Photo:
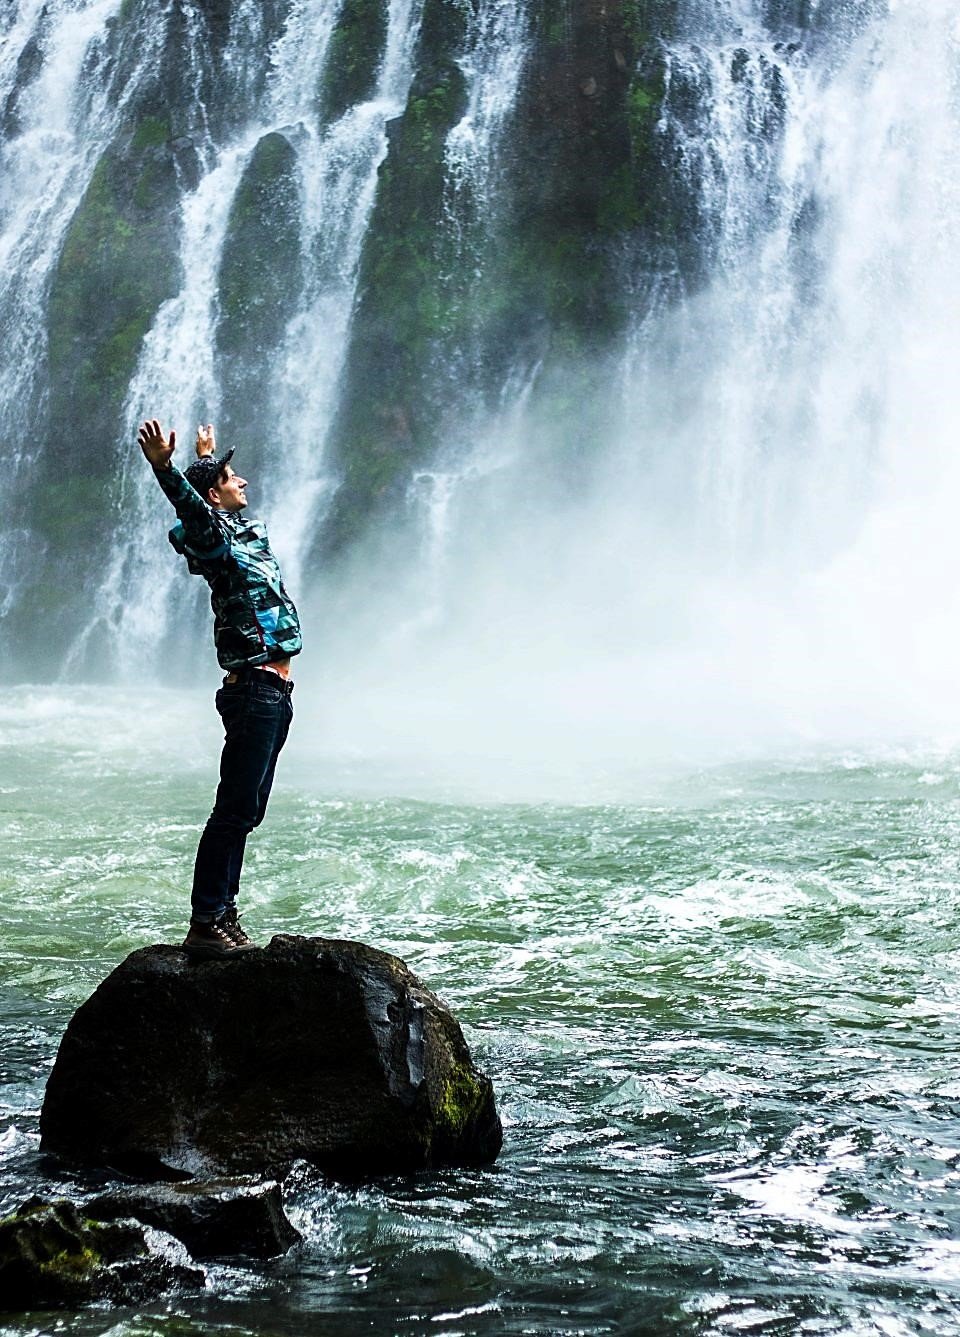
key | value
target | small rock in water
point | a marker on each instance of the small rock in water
(51, 1257)
(213, 1219)
(325, 1051)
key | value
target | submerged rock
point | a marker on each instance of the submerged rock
(52, 1257)
(326, 1051)
(213, 1219)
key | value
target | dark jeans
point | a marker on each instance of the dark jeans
(256, 714)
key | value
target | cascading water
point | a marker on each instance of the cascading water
(775, 496)
(497, 44)
(177, 372)
(823, 189)
(63, 88)
(778, 398)
(339, 182)
(493, 62)
(804, 392)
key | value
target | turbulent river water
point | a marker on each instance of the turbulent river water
(719, 1005)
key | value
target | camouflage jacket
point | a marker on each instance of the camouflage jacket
(254, 618)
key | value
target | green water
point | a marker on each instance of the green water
(721, 1015)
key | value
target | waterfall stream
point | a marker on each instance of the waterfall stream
(177, 374)
(779, 409)
(63, 119)
(826, 192)
(766, 547)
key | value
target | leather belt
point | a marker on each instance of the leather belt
(276, 679)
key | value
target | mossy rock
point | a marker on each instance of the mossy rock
(354, 57)
(585, 122)
(29, 65)
(260, 265)
(118, 263)
(366, 1071)
(52, 1257)
(260, 279)
(408, 289)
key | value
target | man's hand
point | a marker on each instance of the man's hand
(154, 444)
(206, 445)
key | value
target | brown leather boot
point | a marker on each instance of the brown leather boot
(210, 940)
(229, 921)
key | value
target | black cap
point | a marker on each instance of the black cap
(205, 472)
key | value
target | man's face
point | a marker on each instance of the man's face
(230, 492)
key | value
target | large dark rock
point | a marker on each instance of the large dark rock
(310, 1049)
(52, 1257)
(214, 1220)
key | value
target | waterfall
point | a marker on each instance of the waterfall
(177, 373)
(498, 41)
(765, 543)
(802, 393)
(746, 407)
(63, 89)
(824, 187)
(493, 61)
(339, 183)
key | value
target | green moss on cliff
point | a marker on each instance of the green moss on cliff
(354, 56)
(259, 283)
(647, 20)
(407, 289)
(150, 133)
(642, 108)
(260, 268)
(628, 199)
(117, 264)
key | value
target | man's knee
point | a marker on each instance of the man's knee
(232, 822)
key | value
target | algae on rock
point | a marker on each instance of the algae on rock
(398, 322)
(259, 281)
(52, 1257)
(354, 56)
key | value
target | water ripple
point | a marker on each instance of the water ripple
(723, 1033)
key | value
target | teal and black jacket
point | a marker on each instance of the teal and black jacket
(254, 618)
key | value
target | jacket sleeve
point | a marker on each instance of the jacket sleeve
(199, 526)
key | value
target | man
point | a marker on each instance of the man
(256, 631)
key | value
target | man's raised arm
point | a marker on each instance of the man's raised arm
(194, 513)
(155, 445)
